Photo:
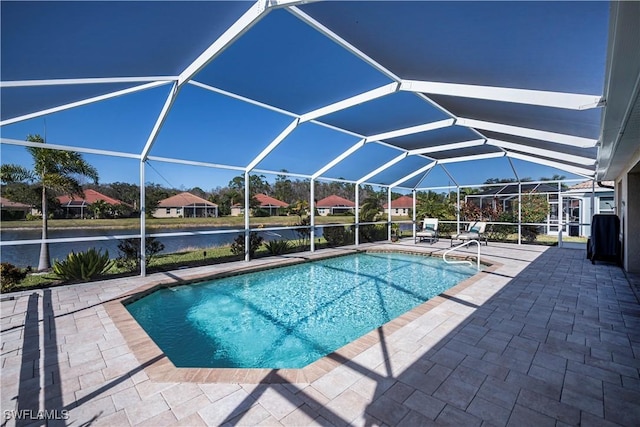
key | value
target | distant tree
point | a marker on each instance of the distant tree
(153, 194)
(283, 188)
(197, 191)
(54, 170)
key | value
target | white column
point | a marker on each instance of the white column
(560, 215)
(414, 215)
(357, 218)
(312, 214)
(458, 210)
(143, 223)
(519, 213)
(247, 238)
(389, 213)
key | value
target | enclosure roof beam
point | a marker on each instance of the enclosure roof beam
(286, 132)
(48, 146)
(448, 174)
(355, 147)
(173, 94)
(82, 102)
(519, 96)
(445, 147)
(558, 138)
(472, 157)
(413, 174)
(256, 12)
(350, 102)
(541, 152)
(383, 167)
(554, 164)
(412, 130)
(85, 81)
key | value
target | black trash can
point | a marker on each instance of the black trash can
(574, 230)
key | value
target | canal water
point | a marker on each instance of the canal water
(27, 255)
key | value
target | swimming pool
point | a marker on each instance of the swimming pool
(291, 316)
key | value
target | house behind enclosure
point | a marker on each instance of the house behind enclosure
(578, 199)
(77, 206)
(505, 198)
(185, 205)
(267, 203)
(13, 210)
(334, 205)
(400, 206)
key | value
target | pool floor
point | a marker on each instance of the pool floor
(289, 317)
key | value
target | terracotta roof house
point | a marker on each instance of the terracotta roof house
(13, 210)
(334, 205)
(185, 205)
(268, 203)
(75, 206)
(400, 206)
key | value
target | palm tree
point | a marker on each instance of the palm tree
(54, 170)
(371, 207)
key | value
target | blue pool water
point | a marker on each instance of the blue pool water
(291, 316)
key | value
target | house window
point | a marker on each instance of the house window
(168, 211)
(178, 211)
(606, 204)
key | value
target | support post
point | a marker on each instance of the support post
(560, 215)
(519, 212)
(458, 210)
(143, 223)
(357, 216)
(593, 204)
(389, 214)
(414, 215)
(247, 237)
(312, 214)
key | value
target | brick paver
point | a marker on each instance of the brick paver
(545, 338)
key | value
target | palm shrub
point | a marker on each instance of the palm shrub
(277, 247)
(129, 252)
(10, 276)
(255, 240)
(83, 266)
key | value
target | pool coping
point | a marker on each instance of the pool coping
(159, 367)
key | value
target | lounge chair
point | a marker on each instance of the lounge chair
(429, 230)
(474, 232)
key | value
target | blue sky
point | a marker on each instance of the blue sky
(283, 62)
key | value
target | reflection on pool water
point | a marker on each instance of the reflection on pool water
(291, 316)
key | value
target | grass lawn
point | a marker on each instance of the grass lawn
(134, 223)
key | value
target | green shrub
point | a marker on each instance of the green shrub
(255, 240)
(31, 217)
(129, 256)
(373, 232)
(83, 266)
(10, 276)
(277, 247)
(335, 236)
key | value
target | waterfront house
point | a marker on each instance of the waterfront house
(334, 205)
(185, 205)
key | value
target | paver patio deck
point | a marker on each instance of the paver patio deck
(545, 338)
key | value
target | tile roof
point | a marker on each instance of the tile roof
(402, 202)
(8, 204)
(586, 185)
(267, 201)
(184, 199)
(90, 196)
(333, 201)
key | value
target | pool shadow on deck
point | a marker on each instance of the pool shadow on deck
(537, 351)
